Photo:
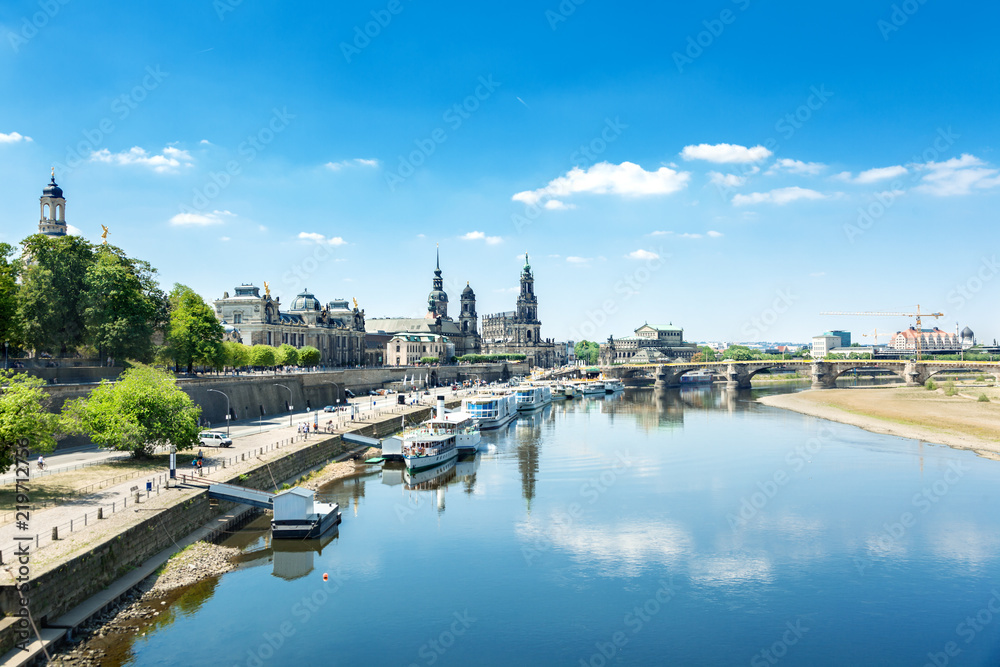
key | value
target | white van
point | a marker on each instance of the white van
(213, 439)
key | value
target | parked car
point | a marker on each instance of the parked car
(349, 393)
(214, 439)
(330, 408)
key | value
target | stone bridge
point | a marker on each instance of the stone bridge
(824, 374)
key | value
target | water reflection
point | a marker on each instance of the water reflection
(290, 559)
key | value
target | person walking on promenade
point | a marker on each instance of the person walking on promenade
(41, 462)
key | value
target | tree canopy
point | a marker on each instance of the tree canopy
(286, 355)
(123, 306)
(143, 410)
(24, 415)
(194, 335)
(308, 356)
(587, 351)
(8, 296)
(263, 356)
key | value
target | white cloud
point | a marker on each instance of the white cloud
(356, 162)
(690, 236)
(642, 254)
(320, 238)
(725, 153)
(726, 180)
(224, 238)
(481, 236)
(168, 160)
(578, 260)
(200, 219)
(714, 234)
(205, 142)
(556, 205)
(957, 176)
(13, 138)
(796, 167)
(872, 175)
(507, 290)
(626, 179)
(73, 231)
(660, 233)
(780, 196)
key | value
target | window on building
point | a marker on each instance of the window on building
(237, 318)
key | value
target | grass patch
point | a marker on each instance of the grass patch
(950, 390)
(930, 386)
(983, 398)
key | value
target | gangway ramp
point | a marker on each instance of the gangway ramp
(239, 494)
(362, 439)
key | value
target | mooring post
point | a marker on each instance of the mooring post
(100, 513)
(55, 533)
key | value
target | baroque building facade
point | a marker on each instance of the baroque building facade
(462, 334)
(650, 344)
(520, 331)
(335, 329)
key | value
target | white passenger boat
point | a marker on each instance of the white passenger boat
(613, 386)
(592, 388)
(532, 397)
(700, 376)
(432, 443)
(491, 409)
(559, 392)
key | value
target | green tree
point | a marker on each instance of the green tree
(194, 335)
(587, 351)
(429, 360)
(143, 410)
(8, 296)
(739, 353)
(123, 306)
(236, 355)
(24, 415)
(263, 356)
(308, 356)
(53, 292)
(286, 355)
(707, 353)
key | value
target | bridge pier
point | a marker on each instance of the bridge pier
(737, 377)
(823, 376)
(666, 379)
(916, 374)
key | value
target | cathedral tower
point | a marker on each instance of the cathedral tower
(53, 209)
(469, 320)
(437, 300)
(527, 305)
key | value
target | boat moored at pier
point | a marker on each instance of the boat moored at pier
(492, 409)
(532, 397)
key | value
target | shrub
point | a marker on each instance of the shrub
(983, 398)
(930, 386)
(949, 389)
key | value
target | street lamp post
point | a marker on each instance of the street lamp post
(228, 413)
(6, 366)
(291, 407)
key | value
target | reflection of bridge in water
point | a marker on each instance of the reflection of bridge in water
(824, 374)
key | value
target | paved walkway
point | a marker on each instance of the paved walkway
(76, 520)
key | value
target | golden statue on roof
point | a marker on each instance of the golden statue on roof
(104, 235)
(267, 289)
(354, 299)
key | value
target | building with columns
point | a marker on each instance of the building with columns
(335, 329)
(52, 206)
(520, 331)
(652, 343)
(463, 333)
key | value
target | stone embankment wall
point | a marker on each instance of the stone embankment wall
(58, 589)
(249, 393)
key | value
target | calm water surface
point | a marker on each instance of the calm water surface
(690, 527)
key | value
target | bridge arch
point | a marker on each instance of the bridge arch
(897, 371)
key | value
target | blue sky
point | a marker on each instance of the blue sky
(731, 167)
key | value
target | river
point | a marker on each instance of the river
(688, 527)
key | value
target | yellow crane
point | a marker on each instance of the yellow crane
(919, 314)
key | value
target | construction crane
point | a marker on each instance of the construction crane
(874, 335)
(917, 315)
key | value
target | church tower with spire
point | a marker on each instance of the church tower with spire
(437, 300)
(53, 210)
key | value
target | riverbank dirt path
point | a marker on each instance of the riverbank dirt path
(908, 412)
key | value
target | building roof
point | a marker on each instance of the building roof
(912, 332)
(395, 325)
(661, 327)
(52, 190)
(305, 300)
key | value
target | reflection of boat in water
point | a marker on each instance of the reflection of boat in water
(430, 478)
(491, 410)
(293, 559)
(467, 466)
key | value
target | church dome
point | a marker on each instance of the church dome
(305, 301)
(967, 333)
(52, 190)
(468, 291)
(438, 296)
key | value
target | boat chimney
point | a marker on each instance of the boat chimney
(440, 410)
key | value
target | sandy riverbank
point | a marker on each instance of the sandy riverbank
(907, 412)
(340, 469)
